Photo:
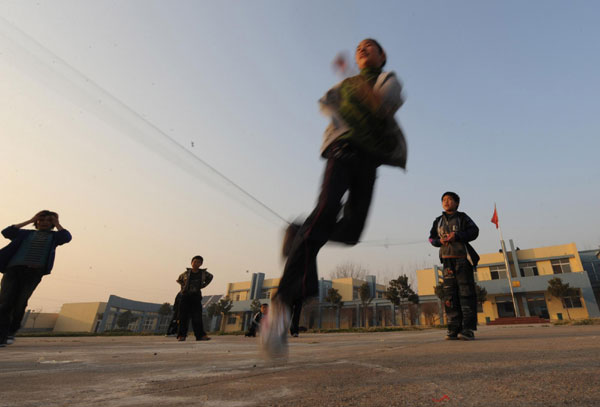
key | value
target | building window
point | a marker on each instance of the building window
(572, 302)
(231, 320)
(528, 269)
(355, 293)
(561, 266)
(148, 324)
(498, 272)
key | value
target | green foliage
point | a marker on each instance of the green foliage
(224, 306)
(165, 309)
(255, 305)
(400, 291)
(481, 294)
(125, 318)
(212, 310)
(560, 290)
(364, 293)
(334, 298)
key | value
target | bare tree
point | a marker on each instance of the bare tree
(349, 269)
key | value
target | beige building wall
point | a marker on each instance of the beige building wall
(238, 291)
(44, 321)
(544, 266)
(79, 317)
(270, 286)
(345, 287)
(426, 282)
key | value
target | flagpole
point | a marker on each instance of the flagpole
(507, 265)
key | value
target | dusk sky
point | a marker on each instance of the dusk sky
(116, 114)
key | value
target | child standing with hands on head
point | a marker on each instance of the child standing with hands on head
(23, 262)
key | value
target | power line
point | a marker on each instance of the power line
(96, 88)
(83, 83)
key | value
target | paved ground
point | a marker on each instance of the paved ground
(515, 366)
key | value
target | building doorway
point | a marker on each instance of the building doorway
(537, 305)
(505, 307)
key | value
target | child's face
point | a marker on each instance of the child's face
(196, 263)
(45, 223)
(449, 204)
(368, 55)
(264, 308)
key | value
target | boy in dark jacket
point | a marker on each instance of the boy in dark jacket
(452, 232)
(255, 324)
(192, 281)
(23, 262)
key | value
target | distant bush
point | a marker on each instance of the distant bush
(587, 321)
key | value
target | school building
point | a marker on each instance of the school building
(97, 317)
(530, 270)
(317, 313)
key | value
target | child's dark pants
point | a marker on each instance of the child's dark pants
(18, 283)
(353, 173)
(460, 300)
(191, 308)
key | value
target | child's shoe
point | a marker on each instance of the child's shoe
(273, 331)
(451, 336)
(466, 335)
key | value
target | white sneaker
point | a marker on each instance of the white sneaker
(10, 340)
(273, 331)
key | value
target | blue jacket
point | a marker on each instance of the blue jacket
(18, 235)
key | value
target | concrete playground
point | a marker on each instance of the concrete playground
(506, 366)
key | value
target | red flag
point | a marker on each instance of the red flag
(495, 217)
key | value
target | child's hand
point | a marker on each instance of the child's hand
(54, 220)
(36, 217)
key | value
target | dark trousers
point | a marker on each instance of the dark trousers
(174, 325)
(190, 307)
(460, 300)
(296, 311)
(355, 175)
(18, 283)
